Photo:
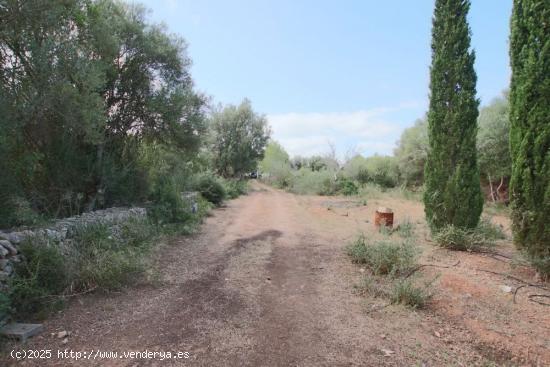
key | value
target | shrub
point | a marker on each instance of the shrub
(210, 188)
(168, 206)
(407, 293)
(384, 256)
(43, 273)
(235, 188)
(347, 187)
(308, 182)
(456, 238)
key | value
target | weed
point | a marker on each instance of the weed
(456, 238)
(210, 188)
(43, 273)
(405, 292)
(384, 256)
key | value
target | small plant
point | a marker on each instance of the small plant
(384, 256)
(456, 238)
(407, 293)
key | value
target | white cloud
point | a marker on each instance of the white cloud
(366, 132)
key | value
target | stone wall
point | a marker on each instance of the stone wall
(59, 231)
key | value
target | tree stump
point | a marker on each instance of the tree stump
(383, 217)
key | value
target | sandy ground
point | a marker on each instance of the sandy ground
(266, 283)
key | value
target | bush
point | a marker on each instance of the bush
(210, 188)
(235, 188)
(308, 182)
(168, 206)
(347, 187)
(407, 293)
(456, 238)
(384, 256)
(42, 274)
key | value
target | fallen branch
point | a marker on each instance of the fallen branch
(532, 296)
(432, 265)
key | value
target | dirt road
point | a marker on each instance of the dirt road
(266, 283)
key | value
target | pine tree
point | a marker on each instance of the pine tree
(452, 188)
(530, 129)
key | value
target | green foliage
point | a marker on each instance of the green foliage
(239, 138)
(168, 206)
(105, 259)
(84, 85)
(100, 257)
(453, 193)
(308, 182)
(493, 139)
(463, 239)
(235, 188)
(384, 256)
(530, 130)
(411, 153)
(42, 274)
(405, 292)
(379, 170)
(210, 188)
(347, 187)
(275, 166)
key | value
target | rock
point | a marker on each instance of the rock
(4, 236)
(8, 246)
(62, 334)
(4, 263)
(65, 341)
(436, 333)
(506, 288)
(362, 270)
(3, 251)
(16, 237)
(387, 352)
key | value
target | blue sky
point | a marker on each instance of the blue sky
(354, 73)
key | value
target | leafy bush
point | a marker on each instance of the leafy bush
(456, 238)
(384, 256)
(347, 187)
(235, 188)
(407, 293)
(210, 188)
(168, 206)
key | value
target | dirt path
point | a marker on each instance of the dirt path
(266, 283)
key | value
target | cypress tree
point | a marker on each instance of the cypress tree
(530, 129)
(452, 188)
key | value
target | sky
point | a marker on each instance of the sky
(349, 73)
